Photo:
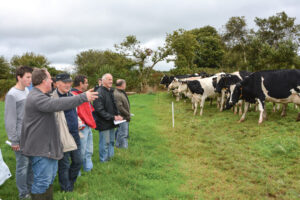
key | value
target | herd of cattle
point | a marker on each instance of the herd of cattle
(234, 89)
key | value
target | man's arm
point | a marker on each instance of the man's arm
(11, 119)
(47, 104)
(122, 110)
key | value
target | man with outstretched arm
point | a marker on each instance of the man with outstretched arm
(40, 137)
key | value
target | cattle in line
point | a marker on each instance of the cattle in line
(223, 83)
(167, 80)
(279, 86)
(202, 89)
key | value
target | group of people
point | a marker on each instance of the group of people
(50, 127)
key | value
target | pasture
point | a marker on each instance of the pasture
(207, 157)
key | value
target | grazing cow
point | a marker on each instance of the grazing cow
(223, 83)
(279, 86)
(202, 89)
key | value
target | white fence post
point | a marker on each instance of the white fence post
(173, 114)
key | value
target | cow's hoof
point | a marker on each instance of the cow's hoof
(283, 115)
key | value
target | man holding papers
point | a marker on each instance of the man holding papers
(106, 113)
(123, 106)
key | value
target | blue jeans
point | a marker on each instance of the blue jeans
(44, 172)
(86, 145)
(106, 144)
(24, 175)
(67, 174)
(122, 135)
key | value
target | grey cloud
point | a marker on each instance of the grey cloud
(61, 29)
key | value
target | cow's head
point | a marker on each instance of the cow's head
(220, 85)
(164, 80)
(235, 95)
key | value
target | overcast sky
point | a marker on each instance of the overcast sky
(60, 29)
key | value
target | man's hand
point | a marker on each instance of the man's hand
(15, 147)
(118, 118)
(91, 95)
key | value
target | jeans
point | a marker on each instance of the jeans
(106, 144)
(44, 172)
(122, 135)
(24, 175)
(67, 174)
(86, 145)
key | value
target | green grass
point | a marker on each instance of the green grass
(208, 157)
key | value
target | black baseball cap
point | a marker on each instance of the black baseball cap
(64, 77)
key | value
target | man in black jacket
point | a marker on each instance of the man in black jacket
(106, 113)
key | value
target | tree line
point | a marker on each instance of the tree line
(272, 44)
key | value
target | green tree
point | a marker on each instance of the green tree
(144, 58)
(236, 38)
(182, 45)
(279, 38)
(31, 59)
(210, 50)
(4, 68)
(95, 63)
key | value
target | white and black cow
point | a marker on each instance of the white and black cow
(223, 83)
(279, 86)
(167, 80)
(202, 89)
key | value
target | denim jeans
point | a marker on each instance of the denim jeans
(44, 172)
(67, 174)
(106, 144)
(86, 145)
(24, 175)
(122, 135)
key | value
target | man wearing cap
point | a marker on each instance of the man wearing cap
(67, 173)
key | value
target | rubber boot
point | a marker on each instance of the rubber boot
(50, 192)
(43, 196)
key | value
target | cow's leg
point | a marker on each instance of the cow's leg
(235, 109)
(222, 100)
(298, 118)
(211, 102)
(246, 107)
(240, 104)
(202, 105)
(278, 106)
(261, 110)
(283, 113)
(274, 107)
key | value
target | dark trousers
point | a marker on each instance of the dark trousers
(67, 174)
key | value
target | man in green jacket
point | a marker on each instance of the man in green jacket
(123, 106)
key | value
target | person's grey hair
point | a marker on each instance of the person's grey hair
(105, 75)
(120, 82)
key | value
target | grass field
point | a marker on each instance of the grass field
(208, 157)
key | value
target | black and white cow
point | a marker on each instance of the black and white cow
(223, 83)
(202, 89)
(279, 86)
(167, 80)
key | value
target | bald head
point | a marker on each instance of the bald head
(121, 84)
